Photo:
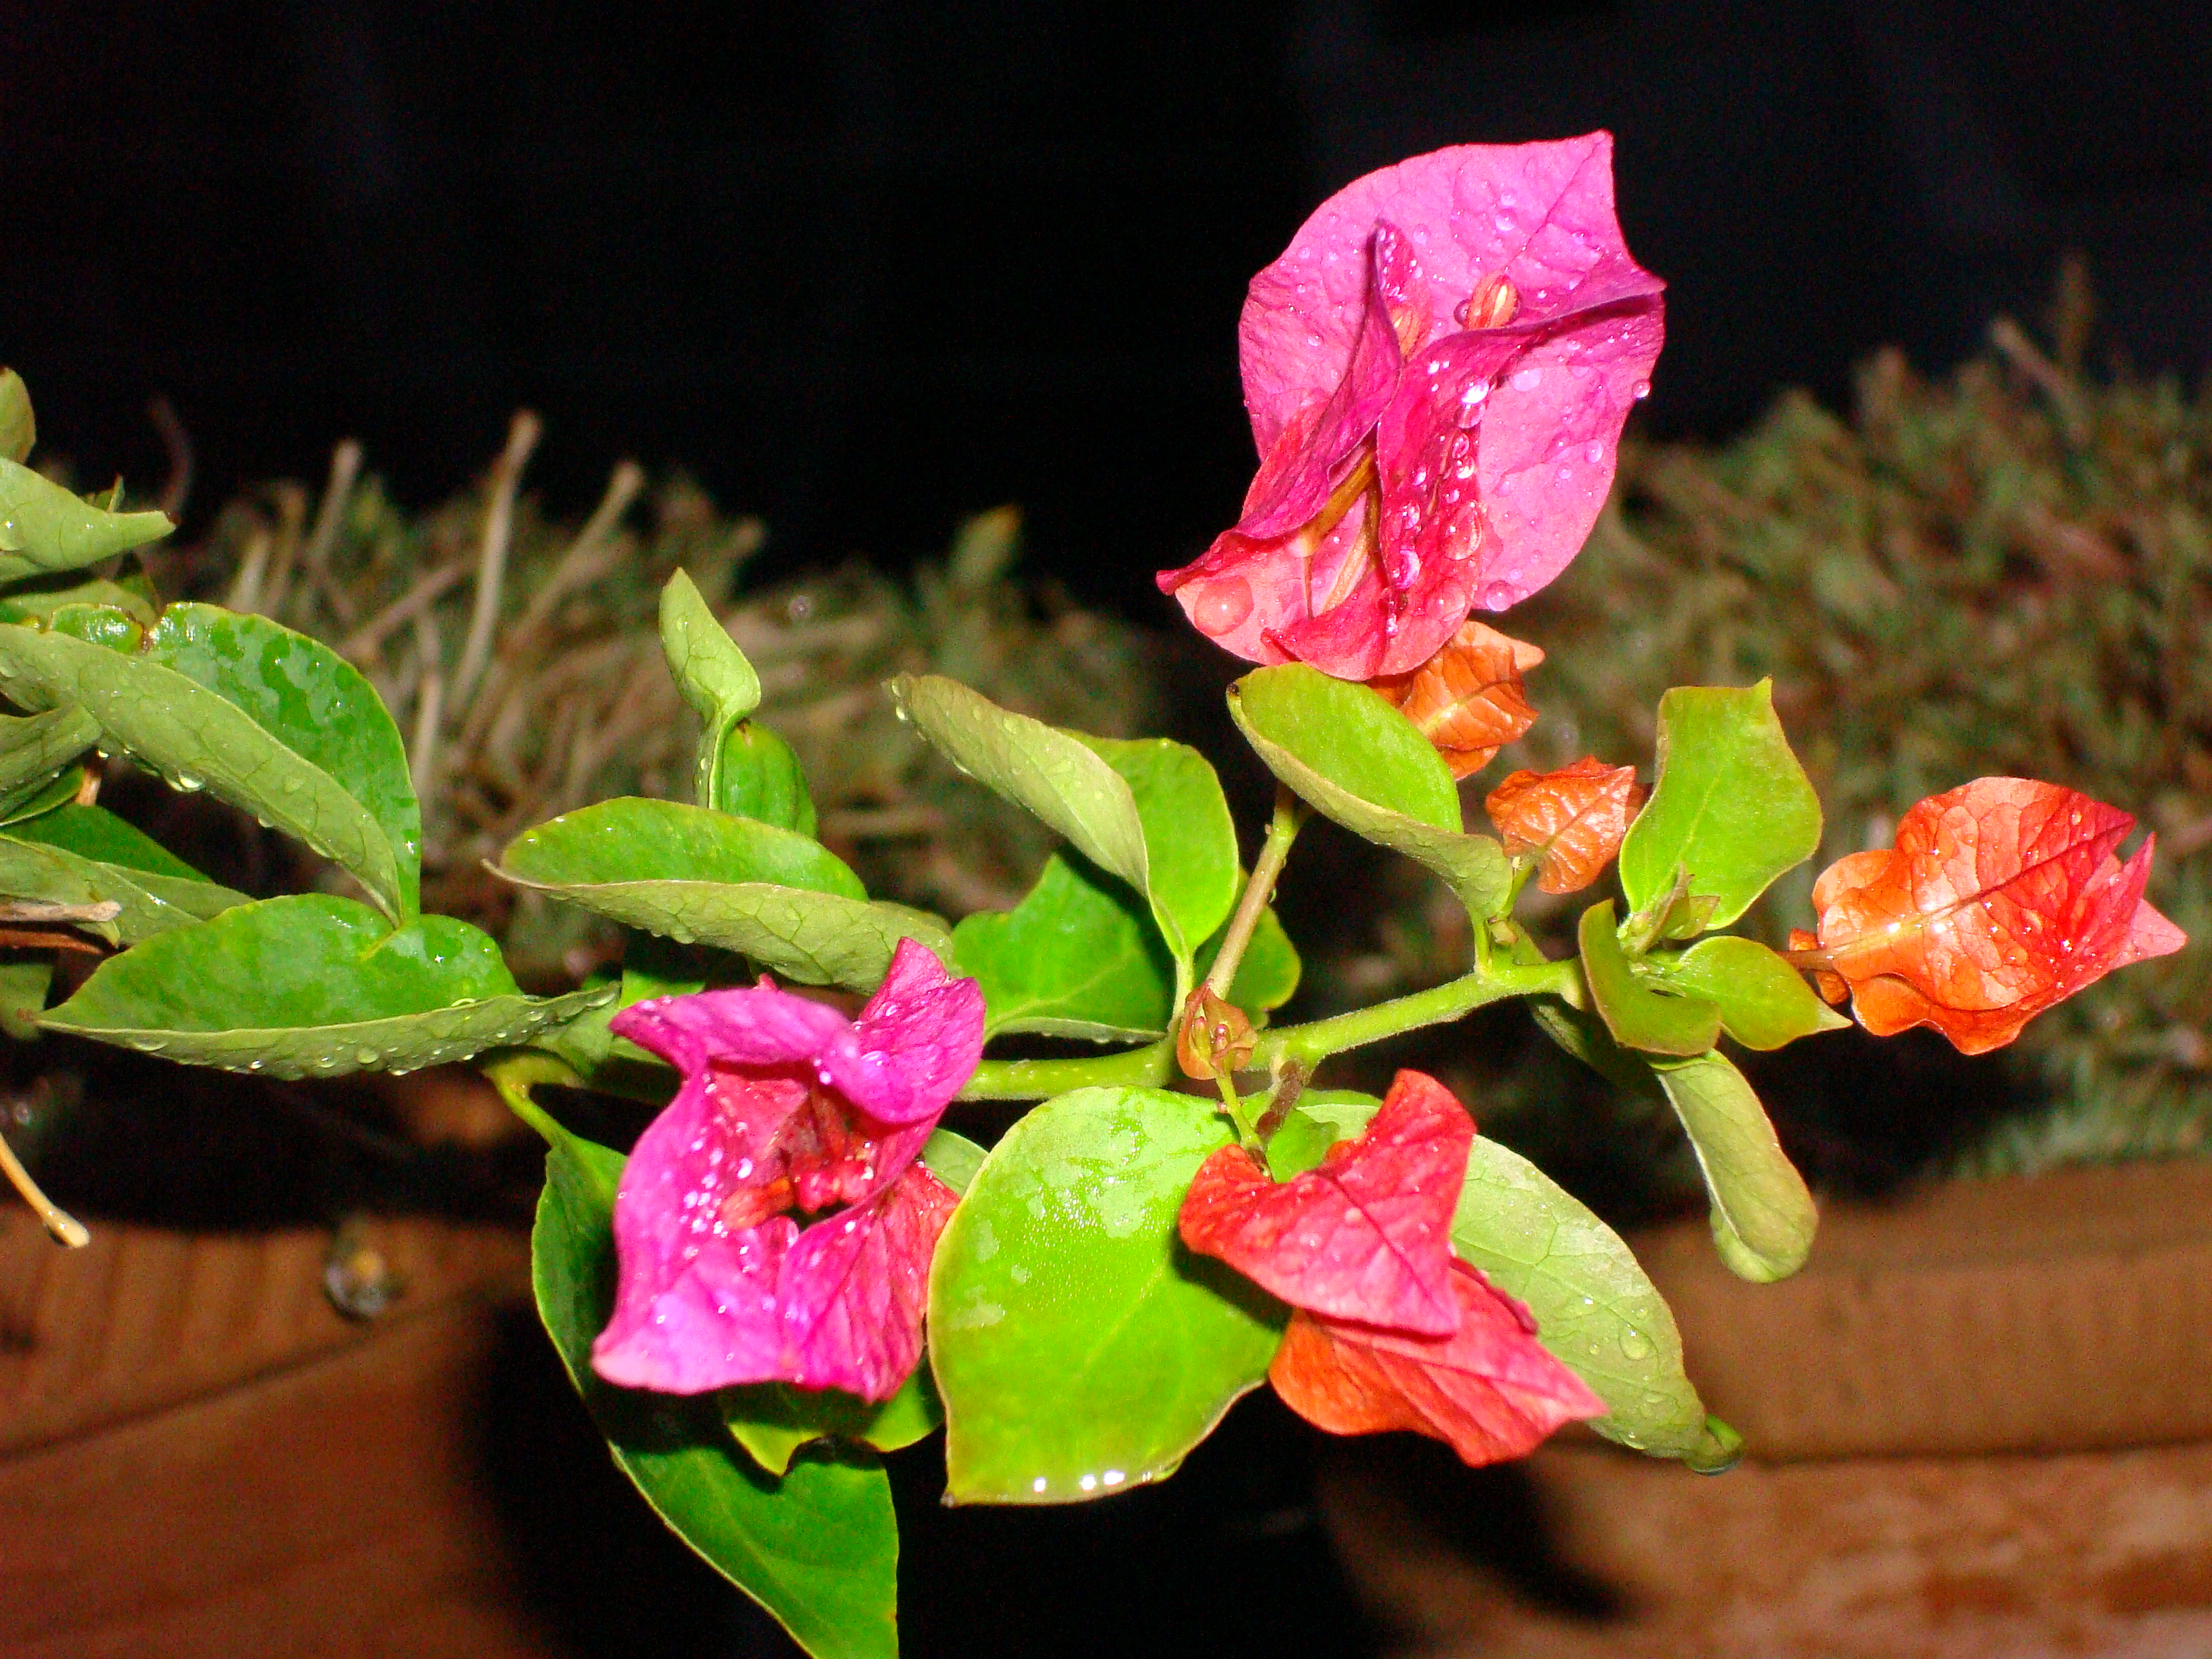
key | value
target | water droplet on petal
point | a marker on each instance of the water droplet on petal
(1222, 606)
(1640, 391)
(1528, 379)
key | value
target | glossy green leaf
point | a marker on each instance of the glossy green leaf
(1053, 775)
(758, 776)
(86, 854)
(651, 967)
(1321, 1119)
(1764, 1001)
(1077, 957)
(1268, 975)
(32, 748)
(268, 720)
(1595, 1308)
(39, 601)
(773, 1420)
(1638, 1016)
(1079, 1348)
(713, 675)
(24, 979)
(45, 527)
(952, 1158)
(1763, 1218)
(310, 986)
(1360, 761)
(41, 796)
(1190, 841)
(817, 1548)
(632, 840)
(19, 432)
(1732, 806)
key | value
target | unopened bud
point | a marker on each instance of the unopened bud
(1214, 1037)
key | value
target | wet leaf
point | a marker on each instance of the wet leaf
(33, 747)
(774, 1421)
(2000, 899)
(23, 984)
(1764, 1003)
(1359, 762)
(1570, 821)
(1079, 1348)
(1467, 700)
(713, 675)
(1077, 957)
(1190, 842)
(45, 527)
(1763, 1218)
(312, 985)
(1732, 806)
(1639, 1016)
(86, 854)
(19, 432)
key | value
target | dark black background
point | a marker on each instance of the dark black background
(867, 266)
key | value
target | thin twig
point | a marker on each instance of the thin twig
(291, 520)
(491, 569)
(429, 708)
(177, 445)
(365, 642)
(345, 467)
(62, 1227)
(245, 593)
(588, 558)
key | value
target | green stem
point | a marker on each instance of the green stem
(1235, 1107)
(1282, 830)
(1148, 1067)
(1309, 1045)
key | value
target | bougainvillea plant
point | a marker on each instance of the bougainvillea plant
(793, 1267)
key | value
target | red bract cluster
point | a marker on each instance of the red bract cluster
(1437, 370)
(2000, 899)
(787, 1109)
(1571, 821)
(1388, 1330)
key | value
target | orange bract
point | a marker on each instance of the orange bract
(2000, 899)
(1488, 1389)
(1572, 819)
(1468, 699)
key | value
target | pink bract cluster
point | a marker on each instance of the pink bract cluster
(1437, 370)
(788, 1109)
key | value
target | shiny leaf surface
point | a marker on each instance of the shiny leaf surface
(45, 527)
(1764, 1002)
(1077, 957)
(1638, 1016)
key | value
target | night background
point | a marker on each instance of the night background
(865, 269)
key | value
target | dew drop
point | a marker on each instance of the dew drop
(1634, 1345)
(1223, 605)
(1528, 379)
(365, 1056)
(1640, 391)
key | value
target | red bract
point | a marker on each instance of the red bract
(1573, 820)
(1367, 1235)
(1489, 1389)
(1468, 699)
(787, 1107)
(1437, 371)
(2000, 899)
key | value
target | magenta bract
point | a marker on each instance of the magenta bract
(787, 1109)
(1437, 370)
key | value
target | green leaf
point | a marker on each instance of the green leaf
(270, 720)
(1640, 1016)
(773, 1420)
(23, 982)
(1321, 1119)
(1732, 806)
(1596, 1309)
(87, 855)
(705, 877)
(817, 1548)
(1268, 975)
(713, 675)
(310, 986)
(18, 430)
(1051, 774)
(1360, 761)
(45, 527)
(1079, 1348)
(1763, 1218)
(33, 747)
(38, 601)
(39, 797)
(1077, 957)
(952, 1158)
(1190, 841)
(759, 776)
(1764, 1001)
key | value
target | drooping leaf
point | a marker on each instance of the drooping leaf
(1190, 842)
(272, 721)
(1638, 1016)
(86, 854)
(1360, 761)
(1489, 1390)
(1051, 774)
(1595, 1308)
(1079, 1348)
(1763, 1218)
(311, 985)
(45, 527)
(19, 432)
(33, 747)
(817, 1548)
(1467, 700)
(1365, 1236)
(1999, 899)
(1732, 806)
(774, 1421)
(1571, 821)
(1764, 1002)
(1077, 957)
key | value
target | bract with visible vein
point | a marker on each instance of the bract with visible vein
(1366, 1236)
(1573, 820)
(1468, 699)
(1999, 899)
(787, 1110)
(1490, 1390)
(1437, 370)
